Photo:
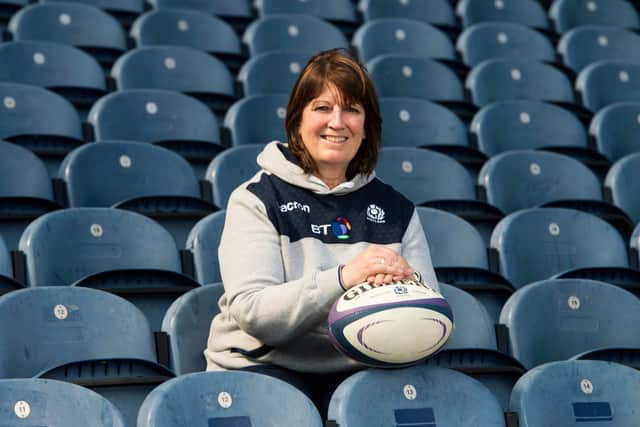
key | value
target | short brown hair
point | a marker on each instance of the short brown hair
(339, 68)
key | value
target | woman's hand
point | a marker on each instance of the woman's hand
(376, 264)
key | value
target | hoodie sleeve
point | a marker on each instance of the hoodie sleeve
(263, 305)
(415, 250)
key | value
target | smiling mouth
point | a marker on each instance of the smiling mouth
(332, 138)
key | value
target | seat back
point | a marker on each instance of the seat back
(269, 110)
(568, 14)
(203, 242)
(339, 11)
(534, 244)
(231, 168)
(187, 322)
(616, 129)
(503, 79)
(256, 75)
(577, 392)
(420, 395)
(435, 12)
(526, 12)
(401, 36)
(608, 82)
(226, 8)
(623, 183)
(224, 397)
(22, 174)
(48, 402)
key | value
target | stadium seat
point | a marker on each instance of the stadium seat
(413, 122)
(7, 282)
(401, 36)
(239, 399)
(491, 40)
(616, 129)
(341, 13)
(231, 168)
(187, 323)
(237, 12)
(554, 320)
(64, 69)
(585, 45)
(577, 392)
(110, 249)
(83, 336)
(292, 32)
(540, 243)
(431, 179)
(435, 12)
(26, 191)
(504, 79)
(80, 25)
(267, 110)
(125, 11)
(459, 256)
(623, 184)
(523, 179)
(568, 14)
(140, 177)
(49, 403)
(608, 82)
(417, 396)
(177, 68)
(39, 120)
(170, 119)
(256, 76)
(526, 12)
(203, 242)
(531, 124)
(473, 349)
(190, 28)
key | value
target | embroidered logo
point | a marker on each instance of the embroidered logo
(375, 214)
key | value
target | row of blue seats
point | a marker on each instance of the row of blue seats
(562, 393)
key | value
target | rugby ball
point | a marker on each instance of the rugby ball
(394, 325)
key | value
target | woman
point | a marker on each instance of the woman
(312, 223)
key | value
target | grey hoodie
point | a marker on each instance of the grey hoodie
(284, 237)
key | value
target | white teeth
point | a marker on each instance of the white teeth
(332, 138)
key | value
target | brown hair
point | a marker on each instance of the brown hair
(339, 68)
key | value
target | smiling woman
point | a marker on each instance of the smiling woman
(312, 223)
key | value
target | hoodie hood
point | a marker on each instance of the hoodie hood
(276, 159)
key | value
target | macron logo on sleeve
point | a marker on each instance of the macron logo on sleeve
(293, 206)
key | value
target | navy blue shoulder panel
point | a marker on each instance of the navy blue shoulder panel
(376, 213)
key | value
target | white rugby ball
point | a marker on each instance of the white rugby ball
(394, 325)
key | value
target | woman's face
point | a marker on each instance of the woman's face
(332, 134)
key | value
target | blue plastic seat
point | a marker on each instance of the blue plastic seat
(110, 249)
(587, 44)
(239, 399)
(416, 122)
(577, 392)
(504, 79)
(26, 191)
(49, 402)
(420, 395)
(401, 36)
(231, 168)
(125, 11)
(473, 349)
(459, 256)
(531, 124)
(616, 129)
(554, 320)
(623, 184)
(292, 32)
(490, 40)
(202, 243)
(431, 179)
(190, 28)
(170, 119)
(237, 12)
(177, 68)
(187, 323)
(80, 25)
(517, 180)
(568, 14)
(84, 336)
(540, 243)
(143, 178)
(268, 110)
(7, 281)
(608, 82)
(341, 13)
(256, 75)
(434, 12)
(526, 12)
(39, 120)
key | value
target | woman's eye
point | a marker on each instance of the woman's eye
(321, 108)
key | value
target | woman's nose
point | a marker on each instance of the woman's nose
(336, 120)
